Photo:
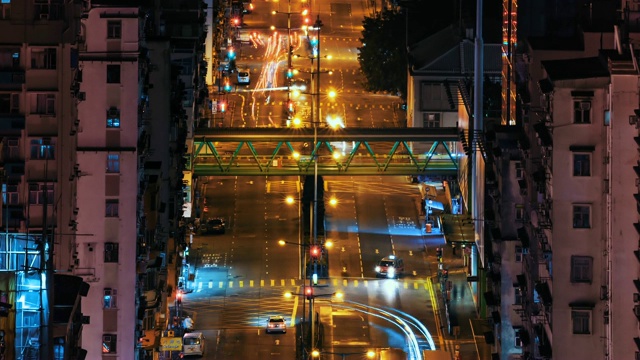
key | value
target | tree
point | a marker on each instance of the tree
(382, 56)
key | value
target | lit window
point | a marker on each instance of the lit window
(581, 216)
(581, 321)
(431, 120)
(42, 149)
(114, 29)
(113, 163)
(113, 118)
(109, 342)
(110, 252)
(110, 299)
(111, 208)
(581, 164)
(113, 74)
(581, 269)
(582, 112)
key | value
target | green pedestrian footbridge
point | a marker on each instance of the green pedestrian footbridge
(344, 151)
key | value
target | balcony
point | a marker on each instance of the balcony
(12, 79)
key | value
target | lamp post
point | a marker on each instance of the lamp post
(289, 43)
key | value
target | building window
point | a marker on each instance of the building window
(581, 216)
(114, 29)
(518, 337)
(37, 193)
(518, 253)
(9, 103)
(581, 112)
(109, 342)
(581, 320)
(113, 118)
(581, 164)
(44, 104)
(9, 58)
(42, 149)
(111, 208)
(113, 163)
(43, 58)
(518, 295)
(519, 212)
(113, 74)
(581, 269)
(11, 150)
(110, 299)
(5, 9)
(49, 9)
(10, 194)
(431, 120)
(111, 252)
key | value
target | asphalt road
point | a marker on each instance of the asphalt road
(263, 51)
(242, 275)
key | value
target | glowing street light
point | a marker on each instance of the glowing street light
(333, 201)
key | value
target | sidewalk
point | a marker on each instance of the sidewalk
(462, 329)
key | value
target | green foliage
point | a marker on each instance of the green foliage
(383, 55)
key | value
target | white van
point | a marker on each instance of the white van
(193, 344)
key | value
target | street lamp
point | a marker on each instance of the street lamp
(316, 354)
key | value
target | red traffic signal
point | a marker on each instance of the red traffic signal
(179, 297)
(315, 251)
(308, 292)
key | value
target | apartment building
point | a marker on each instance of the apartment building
(147, 99)
(562, 260)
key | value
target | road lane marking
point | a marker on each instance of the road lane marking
(406, 285)
(262, 283)
(345, 282)
(415, 286)
(293, 282)
(273, 282)
(355, 283)
(220, 285)
(241, 283)
(282, 282)
(230, 284)
(250, 283)
(366, 283)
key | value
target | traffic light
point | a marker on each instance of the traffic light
(289, 73)
(223, 106)
(290, 106)
(439, 254)
(231, 54)
(227, 86)
(179, 297)
(236, 22)
(308, 292)
(314, 41)
(315, 252)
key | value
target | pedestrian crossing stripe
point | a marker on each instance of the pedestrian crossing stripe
(413, 284)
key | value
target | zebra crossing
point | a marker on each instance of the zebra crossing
(409, 284)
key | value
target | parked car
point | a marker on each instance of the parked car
(214, 226)
(276, 323)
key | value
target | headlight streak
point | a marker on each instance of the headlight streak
(415, 322)
(414, 348)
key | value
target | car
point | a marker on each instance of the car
(299, 84)
(276, 323)
(193, 344)
(244, 77)
(214, 226)
(390, 267)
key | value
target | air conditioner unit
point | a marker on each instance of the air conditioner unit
(44, 16)
(636, 310)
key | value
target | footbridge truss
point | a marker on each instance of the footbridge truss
(348, 151)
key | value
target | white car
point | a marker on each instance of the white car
(276, 323)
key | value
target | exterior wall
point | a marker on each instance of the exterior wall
(95, 142)
(570, 190)
(623, 238)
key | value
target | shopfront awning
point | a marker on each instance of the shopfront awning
(458, 229)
